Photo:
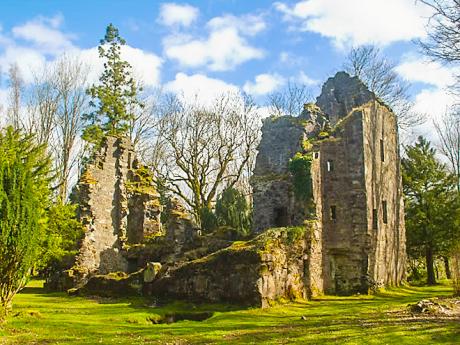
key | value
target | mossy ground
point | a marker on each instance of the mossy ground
(55, 318)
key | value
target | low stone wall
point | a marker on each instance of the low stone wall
(254, 273)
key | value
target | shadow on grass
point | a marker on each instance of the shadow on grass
(35, 290)
(327, 320)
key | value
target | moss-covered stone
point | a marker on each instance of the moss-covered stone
(114, 284)
(250, 272)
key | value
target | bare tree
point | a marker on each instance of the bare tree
(204, 149)
(143, 125)
(290, 100)
(70, 78)
(448, 129)
(56, 103)
(379, 75)
(42, 107)
(443, 41)
(16, 86)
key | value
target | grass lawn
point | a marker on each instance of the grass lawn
(55, 318)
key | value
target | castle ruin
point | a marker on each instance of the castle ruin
(356, 197)
(334, 226)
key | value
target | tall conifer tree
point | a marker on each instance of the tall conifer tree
(115, 94)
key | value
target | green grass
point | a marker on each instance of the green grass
(55, 318)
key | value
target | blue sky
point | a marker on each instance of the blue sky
(210, 46)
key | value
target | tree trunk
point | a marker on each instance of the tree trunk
(446, 265)
(430, 266)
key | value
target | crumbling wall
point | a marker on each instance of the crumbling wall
(255, 273)
(144, 208)
(273, 195)
(351, 249)
(341, 94)
(116, 205)
(103, 209)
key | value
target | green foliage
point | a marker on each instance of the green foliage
(63, 234)
(116, 95)
(208, 220)
(432, 205)
(232, 210)
(24, 196)
(294, 233)
(165, 198)
(300, 166)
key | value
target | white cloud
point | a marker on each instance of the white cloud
(146, 66)
(29, 61)
(199, 87)
(3, 103)
(249, 24)
(264, 111)
(304, 79)
(435, 99)
(429, 72)
(175, 14)
(264, 84)
(434, 103)
(44, 34)
(357, 22)
(223, 49)
(40, 41)
(285, 57)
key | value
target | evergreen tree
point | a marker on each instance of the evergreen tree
(116, 95)
(232, 210)
(431, 204)
(24, 197)
(63, 234)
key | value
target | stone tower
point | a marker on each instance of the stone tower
(356, 203)
(118, 205)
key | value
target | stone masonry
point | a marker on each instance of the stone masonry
(118, 205)
(346, 235)
(357, 195)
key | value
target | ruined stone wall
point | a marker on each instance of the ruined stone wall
(340, 95)
(350, 186)
(114, 208)
(273, 195)
(103, 209)
(253, 273)
(384, 190)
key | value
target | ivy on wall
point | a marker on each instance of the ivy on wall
(299, 166)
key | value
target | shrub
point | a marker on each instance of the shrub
(232, 210)
(24, 196)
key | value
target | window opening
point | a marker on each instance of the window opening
(333, 212)
(281, 217)
(374, 219)
(382, 151)
(385, 214)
